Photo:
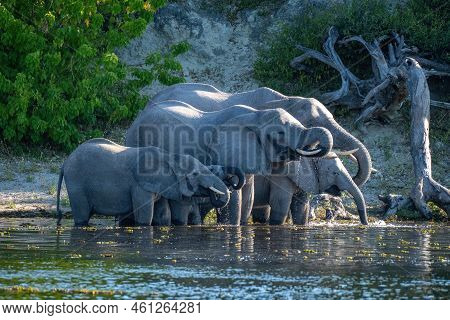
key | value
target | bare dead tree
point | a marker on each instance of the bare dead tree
(425, 187)
(383, 94)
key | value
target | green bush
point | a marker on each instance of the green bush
(424, 23)
(60, 80)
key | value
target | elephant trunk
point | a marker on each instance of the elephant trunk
(358, 197)
(315, 142)
(219, 200)
(238, 173)
(345, 141)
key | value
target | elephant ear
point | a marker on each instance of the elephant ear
(186, 187)
(153, 172)
(186, 170)
(303, 174)
(245, 148)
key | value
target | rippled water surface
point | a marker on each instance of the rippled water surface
(253, 262)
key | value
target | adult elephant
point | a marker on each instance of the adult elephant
(239, 136)
(310, 112)
(274, 194)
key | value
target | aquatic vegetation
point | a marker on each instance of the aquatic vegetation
(107, 242)
(222, 262)
(89, 228)
(165, 229)
(21, 291)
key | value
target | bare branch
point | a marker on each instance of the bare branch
(374, 51)
(440, 104)
(433, 64)
(435, 73)
(333, 60)
(392, 57)
(328, 46)
(394, 203)
(310, 53)
(376, 90)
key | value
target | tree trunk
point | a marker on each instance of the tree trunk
(425, 188)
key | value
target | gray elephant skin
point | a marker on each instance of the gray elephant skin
(310, 112)
(106, 178)
(239, 136)
(274, 194)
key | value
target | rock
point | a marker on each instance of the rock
(222, 51)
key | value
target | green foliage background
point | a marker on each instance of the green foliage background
(425, 24)
(60, 80)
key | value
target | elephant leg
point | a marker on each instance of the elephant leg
(261, 214)
(300, 208)
(161, 213)
(281, 191)
(248, 192)
(279, 209)
(195, 218)
(126, 220)
(231, 214)
(81, 210)
(143, 202)
(180, 212)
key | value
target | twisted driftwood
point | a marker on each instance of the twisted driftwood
(380, 97)
(335, 208)
(383, 94)
(425, 188)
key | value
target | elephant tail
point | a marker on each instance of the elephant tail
(59, 214)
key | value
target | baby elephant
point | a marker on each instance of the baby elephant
(106, 178)
(311, 175)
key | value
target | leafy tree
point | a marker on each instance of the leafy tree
(60, 80)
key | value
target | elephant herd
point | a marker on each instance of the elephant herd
(193, 148)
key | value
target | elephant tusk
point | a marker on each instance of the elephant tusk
(331, 155)
(353, 158)
(314, 145)
(307, 153)
(345, 153)
(216, 191)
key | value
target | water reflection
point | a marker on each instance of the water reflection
(259, 262)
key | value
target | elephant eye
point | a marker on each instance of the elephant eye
(195, 173)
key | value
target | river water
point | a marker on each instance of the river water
(321, 261)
